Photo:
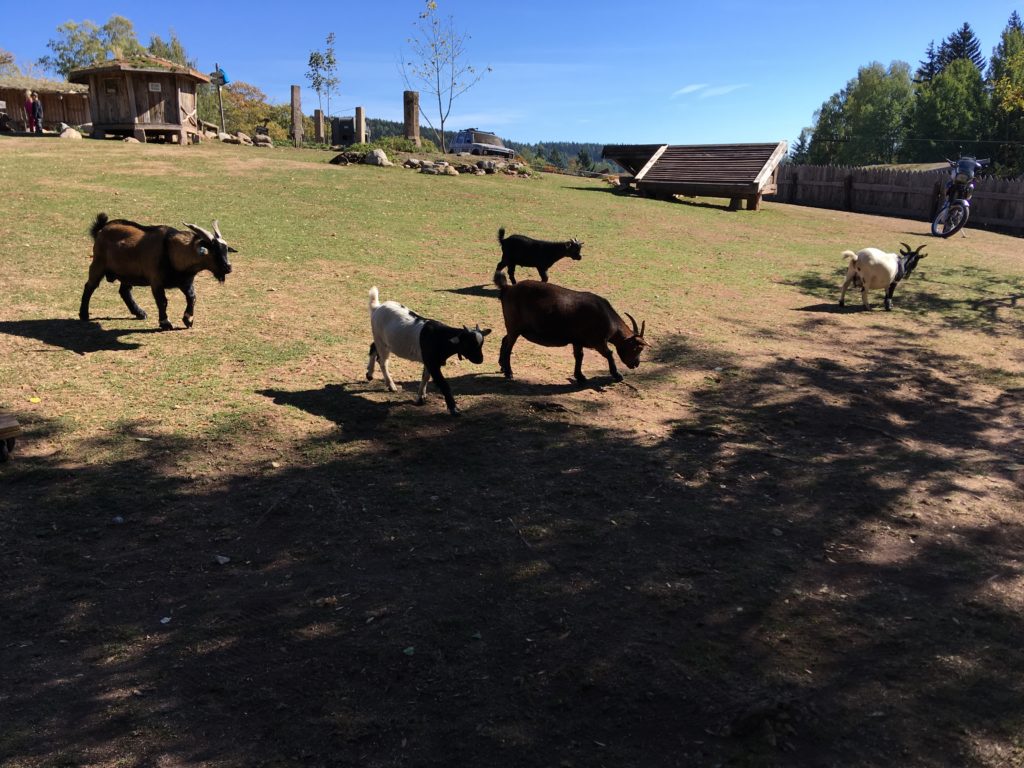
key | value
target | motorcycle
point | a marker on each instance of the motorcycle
(956, 208)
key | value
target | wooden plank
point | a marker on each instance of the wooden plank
(772, 164)
(651, 162)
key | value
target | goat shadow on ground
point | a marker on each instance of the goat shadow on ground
(487, 291)
(486, 383)
(348, 406)
(832, 308)
(74, 335)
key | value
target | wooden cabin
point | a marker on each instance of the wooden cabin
(736, 171)
(145, 97)
(62, 102)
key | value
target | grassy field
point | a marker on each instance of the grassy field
(792, 537)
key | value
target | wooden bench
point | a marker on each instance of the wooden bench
(736, 171)
(9, 430)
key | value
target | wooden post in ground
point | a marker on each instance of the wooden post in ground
(318, 125)
(297, 115)
(360, 126)
(411, 101)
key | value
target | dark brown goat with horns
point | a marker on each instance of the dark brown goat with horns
(158, 256)
(553, 316)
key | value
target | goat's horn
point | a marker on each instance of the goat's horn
(643, 327)
(216, 230)
(636, 330)
(906, 249)
(199, 231)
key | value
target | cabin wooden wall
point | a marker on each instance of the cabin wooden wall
(70, 108)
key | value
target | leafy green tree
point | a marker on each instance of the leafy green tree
(951, 112)
(584, 161)
(331, 79)
(1006, 75)
(879, 104)
(323, 73)
(172, 50)
(436, 65)
(315, 75)
(829, 131)
(79, 45)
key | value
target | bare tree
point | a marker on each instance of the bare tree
(436, 65)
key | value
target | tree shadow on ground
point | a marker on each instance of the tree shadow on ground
(975, 299)
(74, 335)
(790, 578)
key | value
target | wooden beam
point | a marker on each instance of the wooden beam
(651, 162)
(773, 162)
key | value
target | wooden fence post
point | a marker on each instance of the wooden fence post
(297, 115)
(360, 127)
(318, 125)
(411, 103)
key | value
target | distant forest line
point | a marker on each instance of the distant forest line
(565, 155)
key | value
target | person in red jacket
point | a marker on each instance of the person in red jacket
(30, 123)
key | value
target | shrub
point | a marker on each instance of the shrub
(392, 144)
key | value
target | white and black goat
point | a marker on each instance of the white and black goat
(874, 269)
(553, 316)
(523, 251)
(400, 331)
(158, 256)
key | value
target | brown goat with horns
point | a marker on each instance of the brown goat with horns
(553, 316)
(158, 256)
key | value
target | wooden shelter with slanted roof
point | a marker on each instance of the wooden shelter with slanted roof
(145, 97)
(737, 171)
(62, 102)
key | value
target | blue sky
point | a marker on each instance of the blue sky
(607, 72)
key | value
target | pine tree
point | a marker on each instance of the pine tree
(962, 44)
(929, 67)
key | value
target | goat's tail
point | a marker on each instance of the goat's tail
(501, 280)
(374, 298)
(501, 235)
(100, 223)
(849, 255)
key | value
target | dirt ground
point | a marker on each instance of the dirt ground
(805, 551)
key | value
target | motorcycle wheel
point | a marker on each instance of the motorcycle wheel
(950, 220)
(956, 218)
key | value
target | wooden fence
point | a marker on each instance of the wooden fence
(996, 204)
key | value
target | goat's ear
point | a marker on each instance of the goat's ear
(231, 250)
(484, 331)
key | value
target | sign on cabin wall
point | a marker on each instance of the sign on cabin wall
(154, 87)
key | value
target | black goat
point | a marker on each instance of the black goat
(553, 316)
(158, 256)
(523, 251)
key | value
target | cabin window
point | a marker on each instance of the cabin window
(110, 85)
